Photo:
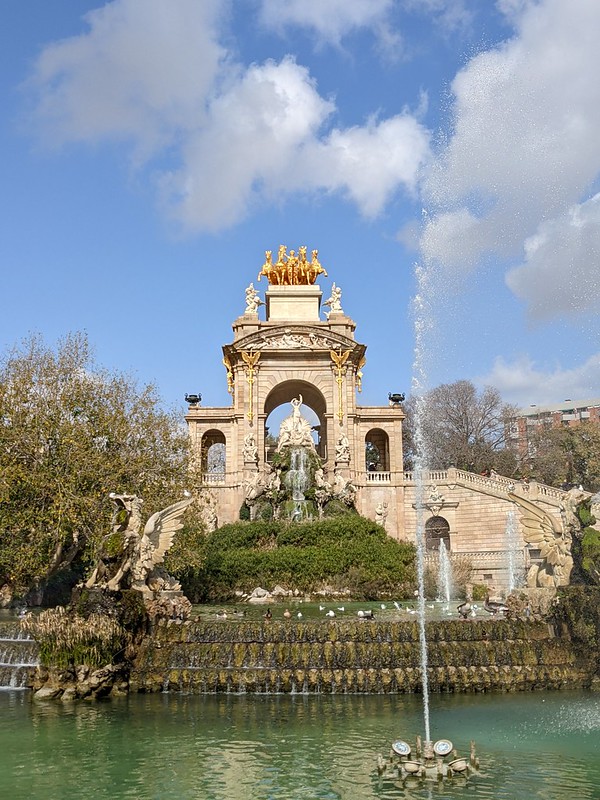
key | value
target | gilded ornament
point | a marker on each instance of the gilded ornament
(291, 269)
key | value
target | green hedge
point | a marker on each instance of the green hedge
(346, 551)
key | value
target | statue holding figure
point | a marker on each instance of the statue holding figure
(250, 448)
(295, 430)
(381, 512)
(342, 449)
(253, 301)
(334, 302)
(142, 551)
(344, 489)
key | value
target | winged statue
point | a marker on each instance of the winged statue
(545, 533)
(141, 551)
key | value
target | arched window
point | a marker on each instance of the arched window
(436, 529)
(213, 453)
(377, 451)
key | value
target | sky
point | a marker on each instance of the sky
(443, 156)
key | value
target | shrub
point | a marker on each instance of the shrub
(346, 550)
(67, 640)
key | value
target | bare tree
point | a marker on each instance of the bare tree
(462, 427)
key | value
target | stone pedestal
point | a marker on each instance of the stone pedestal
(298, 303)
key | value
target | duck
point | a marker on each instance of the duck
(222, 614)
(321, 608)
(341, 608)
(366, 614)
(330, 613)
(464, 609)
(268, 614)
(287, 613)
(299, 615)
(494, 606)
(383, 606)
(398, 606)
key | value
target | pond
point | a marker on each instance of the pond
(173, 747)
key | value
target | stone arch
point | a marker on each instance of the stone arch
(213, 452)
(284, 392)
(437, 529)
(377, 450)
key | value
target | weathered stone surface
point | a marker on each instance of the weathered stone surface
(351, 656)
(48, 693)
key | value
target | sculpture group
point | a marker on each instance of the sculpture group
(292, 269)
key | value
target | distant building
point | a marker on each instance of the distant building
(567, 413)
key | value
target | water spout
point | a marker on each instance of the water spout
(444, 582)
(512, 542)
(423, 323)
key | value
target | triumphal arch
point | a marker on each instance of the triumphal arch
(297, 353)
(294, 346)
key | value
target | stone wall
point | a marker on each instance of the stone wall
(355, 657)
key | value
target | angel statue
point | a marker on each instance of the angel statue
(141, 552)
(545, 533)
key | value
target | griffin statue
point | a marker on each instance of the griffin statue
(131, 556)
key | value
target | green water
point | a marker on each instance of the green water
(163, 747)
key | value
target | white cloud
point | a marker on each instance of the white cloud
(330, 20)
(369, 163)
(561, 272)
(451, 15)
(156, 75)
(247, 147)
(141, 73)
(523, 383)
(524, 147)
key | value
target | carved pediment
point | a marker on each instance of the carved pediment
(296, 338)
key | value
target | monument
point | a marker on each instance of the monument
(304, 353)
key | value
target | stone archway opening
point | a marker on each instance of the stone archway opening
(213, 453)
(377, 451)
(277, 408)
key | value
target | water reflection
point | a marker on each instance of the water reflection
(159, 747)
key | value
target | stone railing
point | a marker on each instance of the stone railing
(378, 477)
(213, 477)
(482, 558)
(495, 483)
(428, 477)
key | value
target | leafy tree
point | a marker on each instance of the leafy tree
(569, 454)
(70, 433)
(461, 427)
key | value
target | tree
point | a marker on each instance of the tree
(70, 433)
(460, 427)
(567, 454)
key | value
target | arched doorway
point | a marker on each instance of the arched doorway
(436, 530)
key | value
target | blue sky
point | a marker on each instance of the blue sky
(152, 150)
